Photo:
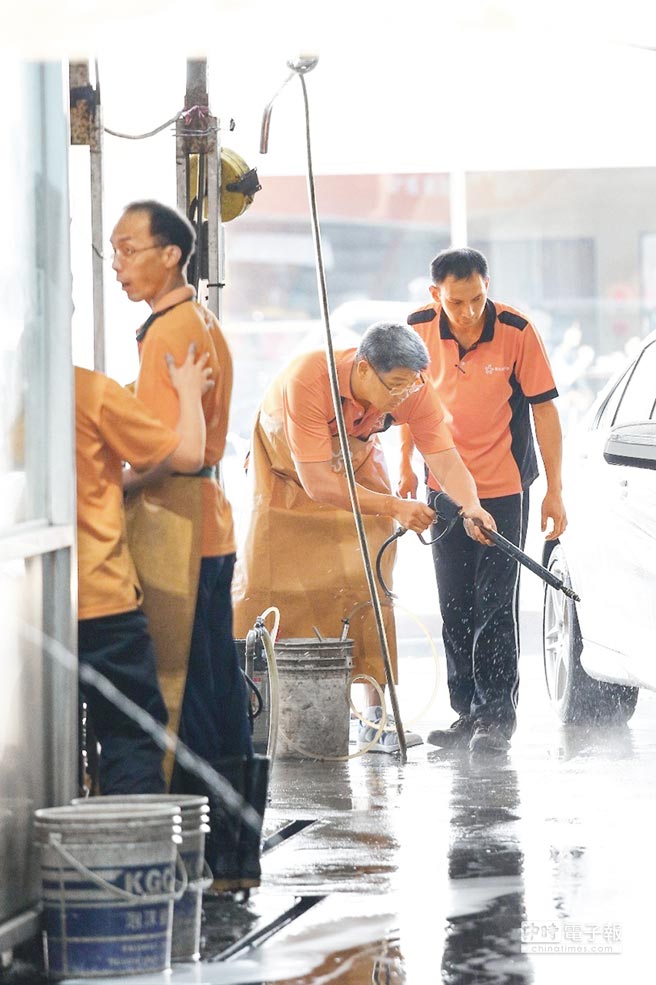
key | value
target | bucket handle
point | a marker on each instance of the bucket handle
(177, 894)
(205, 881)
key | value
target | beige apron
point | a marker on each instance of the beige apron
(164, 526)
(304, 557)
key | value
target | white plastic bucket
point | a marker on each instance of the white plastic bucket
(187, 911)
(314, 709)
(108, 885)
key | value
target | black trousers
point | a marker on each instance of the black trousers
(479, 601)
(120, 648)
(214, 717)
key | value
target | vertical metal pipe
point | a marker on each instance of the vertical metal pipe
(300, 67)
(87, 129)
(200, 195)
(343, 438)
(196, 93)
(214, 227)
(181, 176)
(97, 257)
(208, 147)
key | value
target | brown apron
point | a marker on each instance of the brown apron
(164, 526)
(304, 557)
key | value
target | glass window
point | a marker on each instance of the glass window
(22, 340)
(379, 235)
(639, 397)
(571, 266)
(605, 415)
(38, 702)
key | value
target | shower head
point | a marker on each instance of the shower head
(300, 65)
(303, 63)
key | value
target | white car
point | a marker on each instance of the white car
(598, 652)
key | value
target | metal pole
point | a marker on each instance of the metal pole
(181, 176)
(87, 128)
(201, 249)
(215, 254)
(198, 134)
(300, 67)
(196, 93)
(343, 440)
(97, 234)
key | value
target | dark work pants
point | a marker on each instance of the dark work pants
(214, 718)
(120, 648)
(479, 601)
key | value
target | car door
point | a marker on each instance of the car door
(628, 533)
(590, 496)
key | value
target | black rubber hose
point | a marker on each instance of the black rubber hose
(254, 689)
(390, 540)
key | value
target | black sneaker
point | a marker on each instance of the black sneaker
(456, 736)
(488, 740)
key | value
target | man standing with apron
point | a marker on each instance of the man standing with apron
(302, 553)
(182, 539)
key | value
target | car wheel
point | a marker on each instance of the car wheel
(575, 696)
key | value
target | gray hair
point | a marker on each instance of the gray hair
(388, 345)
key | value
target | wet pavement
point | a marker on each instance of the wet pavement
(538, 868)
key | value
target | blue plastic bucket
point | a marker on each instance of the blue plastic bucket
(108, 885)
(187, 911)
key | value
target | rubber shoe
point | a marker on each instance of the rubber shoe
(488, 740)
(456, 736)
(388, 741)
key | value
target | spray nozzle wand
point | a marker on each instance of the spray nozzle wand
(449, 511)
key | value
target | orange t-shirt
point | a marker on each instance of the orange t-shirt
(486, 391)
(301, 395)
(111, 427)
(178, 320)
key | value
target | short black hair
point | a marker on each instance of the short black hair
(168, 226)
(460, 263)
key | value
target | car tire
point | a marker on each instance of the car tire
(575, 697)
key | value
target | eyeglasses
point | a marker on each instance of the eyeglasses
(404, 390)
(128, 253)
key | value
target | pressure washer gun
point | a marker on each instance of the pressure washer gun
(448, 513)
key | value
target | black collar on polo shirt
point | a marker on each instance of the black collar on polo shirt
(142, 332)
(488, 325)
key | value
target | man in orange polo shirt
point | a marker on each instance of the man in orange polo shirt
(489, 367)
(112, 426)
(302, 552)
(186, 522)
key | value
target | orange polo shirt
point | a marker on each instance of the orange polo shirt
(301, 395)
(111, 427)
(176, 321)
(486, 391)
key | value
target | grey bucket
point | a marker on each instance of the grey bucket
(187, 911)
(314, 709)
(108, 885)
